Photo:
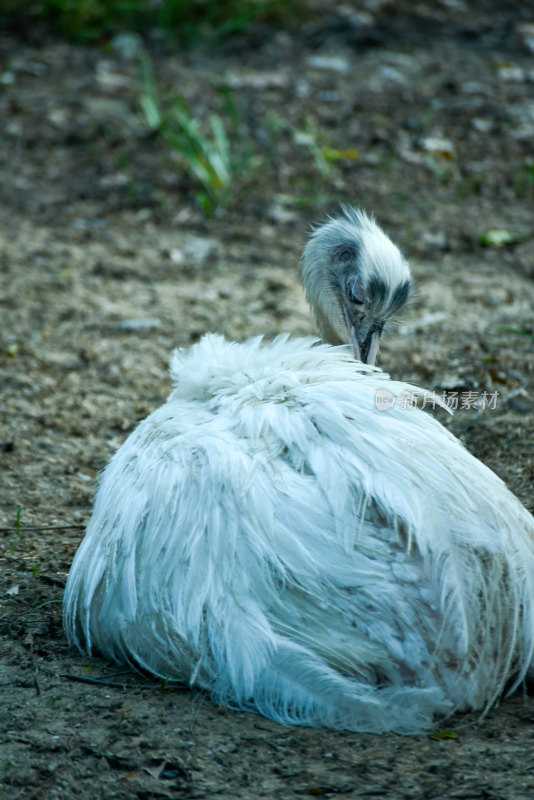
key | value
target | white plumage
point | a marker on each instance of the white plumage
(270, 536)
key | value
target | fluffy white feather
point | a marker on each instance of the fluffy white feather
(271, 537)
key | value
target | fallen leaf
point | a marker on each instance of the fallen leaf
(444, 735)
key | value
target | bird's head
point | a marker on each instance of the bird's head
(355, 280)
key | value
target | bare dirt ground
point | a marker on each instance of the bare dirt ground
(107, 265)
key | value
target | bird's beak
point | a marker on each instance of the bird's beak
(367, 350)
(365, 338)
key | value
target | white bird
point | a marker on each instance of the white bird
(271, 536)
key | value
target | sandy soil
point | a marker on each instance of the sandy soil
(107, 264)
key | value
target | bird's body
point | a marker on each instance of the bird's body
(271, 536)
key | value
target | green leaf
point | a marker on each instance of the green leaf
(518, 331)
(149, 98)
(498, 238)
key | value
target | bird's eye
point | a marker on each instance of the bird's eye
(346, 253)
(354, 293)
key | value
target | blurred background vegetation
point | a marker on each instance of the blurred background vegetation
(185, 20)
(201, 146)
(303, 124)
